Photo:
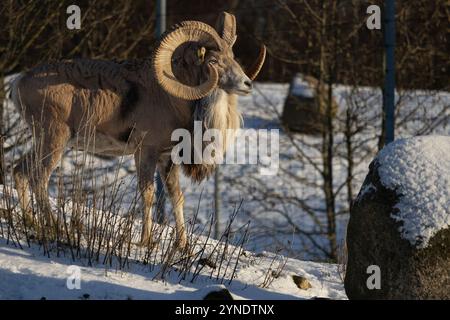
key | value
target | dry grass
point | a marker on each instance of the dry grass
(342, 260)
(98, 222)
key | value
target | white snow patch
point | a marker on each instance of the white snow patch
(301, 88)
(419, 170)
(28, 274)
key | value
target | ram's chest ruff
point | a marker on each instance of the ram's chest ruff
(216, 111)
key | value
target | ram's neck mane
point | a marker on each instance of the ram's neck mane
(219, 111)
(216, 111)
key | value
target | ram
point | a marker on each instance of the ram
(132, 107)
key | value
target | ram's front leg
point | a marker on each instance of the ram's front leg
(170, 176)
(145, 165)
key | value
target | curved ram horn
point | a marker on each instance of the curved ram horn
(187, 31)
(253, 71)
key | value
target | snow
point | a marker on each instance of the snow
(301, 88)
(28, 274)
(418, 169)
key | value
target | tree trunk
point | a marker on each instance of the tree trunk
(349, 155)
(217, 203)
(328, 175)
(326, 103)
(2, 126)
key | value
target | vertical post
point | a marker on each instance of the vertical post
(389, 75)
(2, 158)
(216, 202)
(160, 17)
(160, 194)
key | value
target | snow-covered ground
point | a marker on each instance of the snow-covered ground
(28, 274)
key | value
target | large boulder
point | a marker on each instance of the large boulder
(302, 111)
(400, 222)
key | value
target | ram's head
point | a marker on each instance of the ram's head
(206, 57)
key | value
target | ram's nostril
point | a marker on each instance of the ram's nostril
(248, 83)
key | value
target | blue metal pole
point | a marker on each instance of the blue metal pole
(160, 17)
(389, 76)
(160, 194)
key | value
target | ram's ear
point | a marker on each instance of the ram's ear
(201, 54)
(194, 54)
(226, 27)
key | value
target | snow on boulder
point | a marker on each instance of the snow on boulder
(302, 87)
(418, 169)
(398, 236)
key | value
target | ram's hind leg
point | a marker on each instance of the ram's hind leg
(22, 184)
(35, 170)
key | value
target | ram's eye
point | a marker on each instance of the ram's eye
(213, 61)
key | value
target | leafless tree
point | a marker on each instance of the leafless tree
(330, 40)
